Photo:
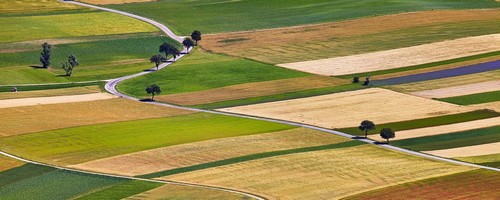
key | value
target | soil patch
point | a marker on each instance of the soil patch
(54, 100)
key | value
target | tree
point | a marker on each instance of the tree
(153, 89)
(175, 52)
(45, 55)
(365, 126)
(156, 59)
(188, 43)
(196, 36)
(69, 65)
(166, 48)
(387, 134)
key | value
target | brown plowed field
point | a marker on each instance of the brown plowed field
(249, 90)
(473, 185)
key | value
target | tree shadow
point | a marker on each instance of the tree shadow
(379, 143)
(149, 70)
(37, 67)
(146, 100)
(358, 137)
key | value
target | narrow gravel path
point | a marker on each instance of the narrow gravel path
(111, 87)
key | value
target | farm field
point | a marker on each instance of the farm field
(347, 109)
(20, 7)
(49, 93)
(316, 174)
(356, 36)
(443, 129)
(479, 98)
(86, 143)
(24, 88)
(475, 150)
(462, 90)
(492, 160)
(122, 190)
(182, 192)
(184, 17)
(14, 120)
(476, 185)
(54, 100)
(390, 59)
(201, 71)
(451, 140)
(104, 2)
(184, 155)
(249, 90)
(8, 163)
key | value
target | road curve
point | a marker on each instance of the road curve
(111, 87)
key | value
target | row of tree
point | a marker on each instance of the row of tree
(169, 49)
(385, 133)
(45, 57)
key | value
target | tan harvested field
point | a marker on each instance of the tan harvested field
(8, 163)
(48, 117)
(54, 100)
(447, 82)
(436, 130)
(172, 192)
(460, 90)
(402, 57)
(476, 150)
(352, 37)
(166, 158)
(348, 109)
(50, 93)
(327, 174)
(492, 106)
(105, 2)
(248, 90)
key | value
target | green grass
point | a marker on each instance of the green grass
(422, 66)
(201, 71)
(280, 97)
(57, 184)
(249, 158)
(81, 144)
(492, 160)
(186, 16)
(474, 98)
(50, 86)
(426, 122)
(26, 171)
(122, 190)
(451, 140)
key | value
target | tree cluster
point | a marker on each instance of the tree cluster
(386, 133)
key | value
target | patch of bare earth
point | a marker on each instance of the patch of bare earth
(166, 158)
(14, 120)
(348, 109)
(54, 100)
(436, 130)
(460, 90)
(402, 57)
(476, 150)
(249, 90)
(350, 37)
(105, 2)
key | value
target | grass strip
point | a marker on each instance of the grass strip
(451, 140)
(249, 158)
(473, 98)
(491, 164)
(421, 66)
(50, 86)
(23, 172)
(427, 122)
(280, 97)
(122, 190)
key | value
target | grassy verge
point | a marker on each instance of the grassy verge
(280, 97)
(473, 98)
(122, 190)
(81, 144)
(452, 140)
(427, 122)
(249, 158)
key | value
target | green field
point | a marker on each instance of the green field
(451, 140)
(492, 160)
(81, 144)
(225, 16)
(201, 71)
(426, 122)
(122, 190)
(474, 98)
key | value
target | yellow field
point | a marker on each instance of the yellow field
(50, 93)
(328, 174)
(447, 82)
(454, 91)
(30, 6)
(104, 2)
(390, 59)
(249, 90)
(20, 120)
(183, 192)
(492, 106)
(481, 159)
(207, 151)
(348, 37)
(8, 163)
(475, 150)
(8, 103)
(436, 130)
(348, 109)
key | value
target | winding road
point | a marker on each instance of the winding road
(111, 88)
